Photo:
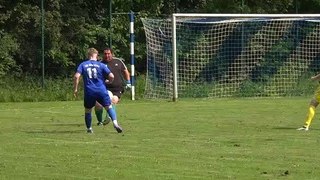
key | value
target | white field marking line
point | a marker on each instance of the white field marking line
(166, 102)
(15, 110)
(53, 141)
(64, 141)
(54, 112)
(8, 109)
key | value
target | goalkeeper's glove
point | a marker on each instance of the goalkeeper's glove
(128, 85)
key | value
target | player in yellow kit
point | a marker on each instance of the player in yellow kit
(313, 105)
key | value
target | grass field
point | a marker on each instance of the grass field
(189, 139)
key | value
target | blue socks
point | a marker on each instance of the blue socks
(112, 113)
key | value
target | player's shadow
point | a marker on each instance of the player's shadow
(283, 128)
(290, 128)
(60, 128)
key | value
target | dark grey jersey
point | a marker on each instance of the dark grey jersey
(117, 67)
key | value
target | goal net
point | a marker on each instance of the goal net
(236, 55)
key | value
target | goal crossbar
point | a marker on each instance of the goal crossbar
(247, 15)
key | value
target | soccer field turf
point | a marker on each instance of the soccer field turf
(189, 139)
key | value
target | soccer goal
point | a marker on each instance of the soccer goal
(231, 55)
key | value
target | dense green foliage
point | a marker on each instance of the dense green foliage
(70, 27)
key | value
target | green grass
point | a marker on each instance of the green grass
(190, 139)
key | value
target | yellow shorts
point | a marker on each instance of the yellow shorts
(317, 94)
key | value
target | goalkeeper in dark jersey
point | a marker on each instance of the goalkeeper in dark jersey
(117, 87)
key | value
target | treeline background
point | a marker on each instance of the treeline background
(70, 27)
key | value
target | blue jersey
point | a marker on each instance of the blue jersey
(94, 74)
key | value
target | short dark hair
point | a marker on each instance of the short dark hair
(108, 49)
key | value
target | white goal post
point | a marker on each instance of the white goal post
(231, 55)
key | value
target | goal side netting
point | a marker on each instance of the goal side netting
(221, 56)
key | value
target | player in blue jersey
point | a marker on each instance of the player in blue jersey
(94, 74)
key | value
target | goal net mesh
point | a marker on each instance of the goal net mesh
(232, 57)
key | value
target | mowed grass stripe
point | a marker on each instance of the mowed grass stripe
(190, 139)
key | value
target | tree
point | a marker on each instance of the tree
(73, 26)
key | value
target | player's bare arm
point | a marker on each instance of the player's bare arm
(316, 77)
(126, 74)
(110, 78)
(76, 80)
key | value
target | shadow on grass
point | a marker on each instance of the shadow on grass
(291, 128)
(288, 128)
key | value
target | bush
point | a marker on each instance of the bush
(29, 89)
